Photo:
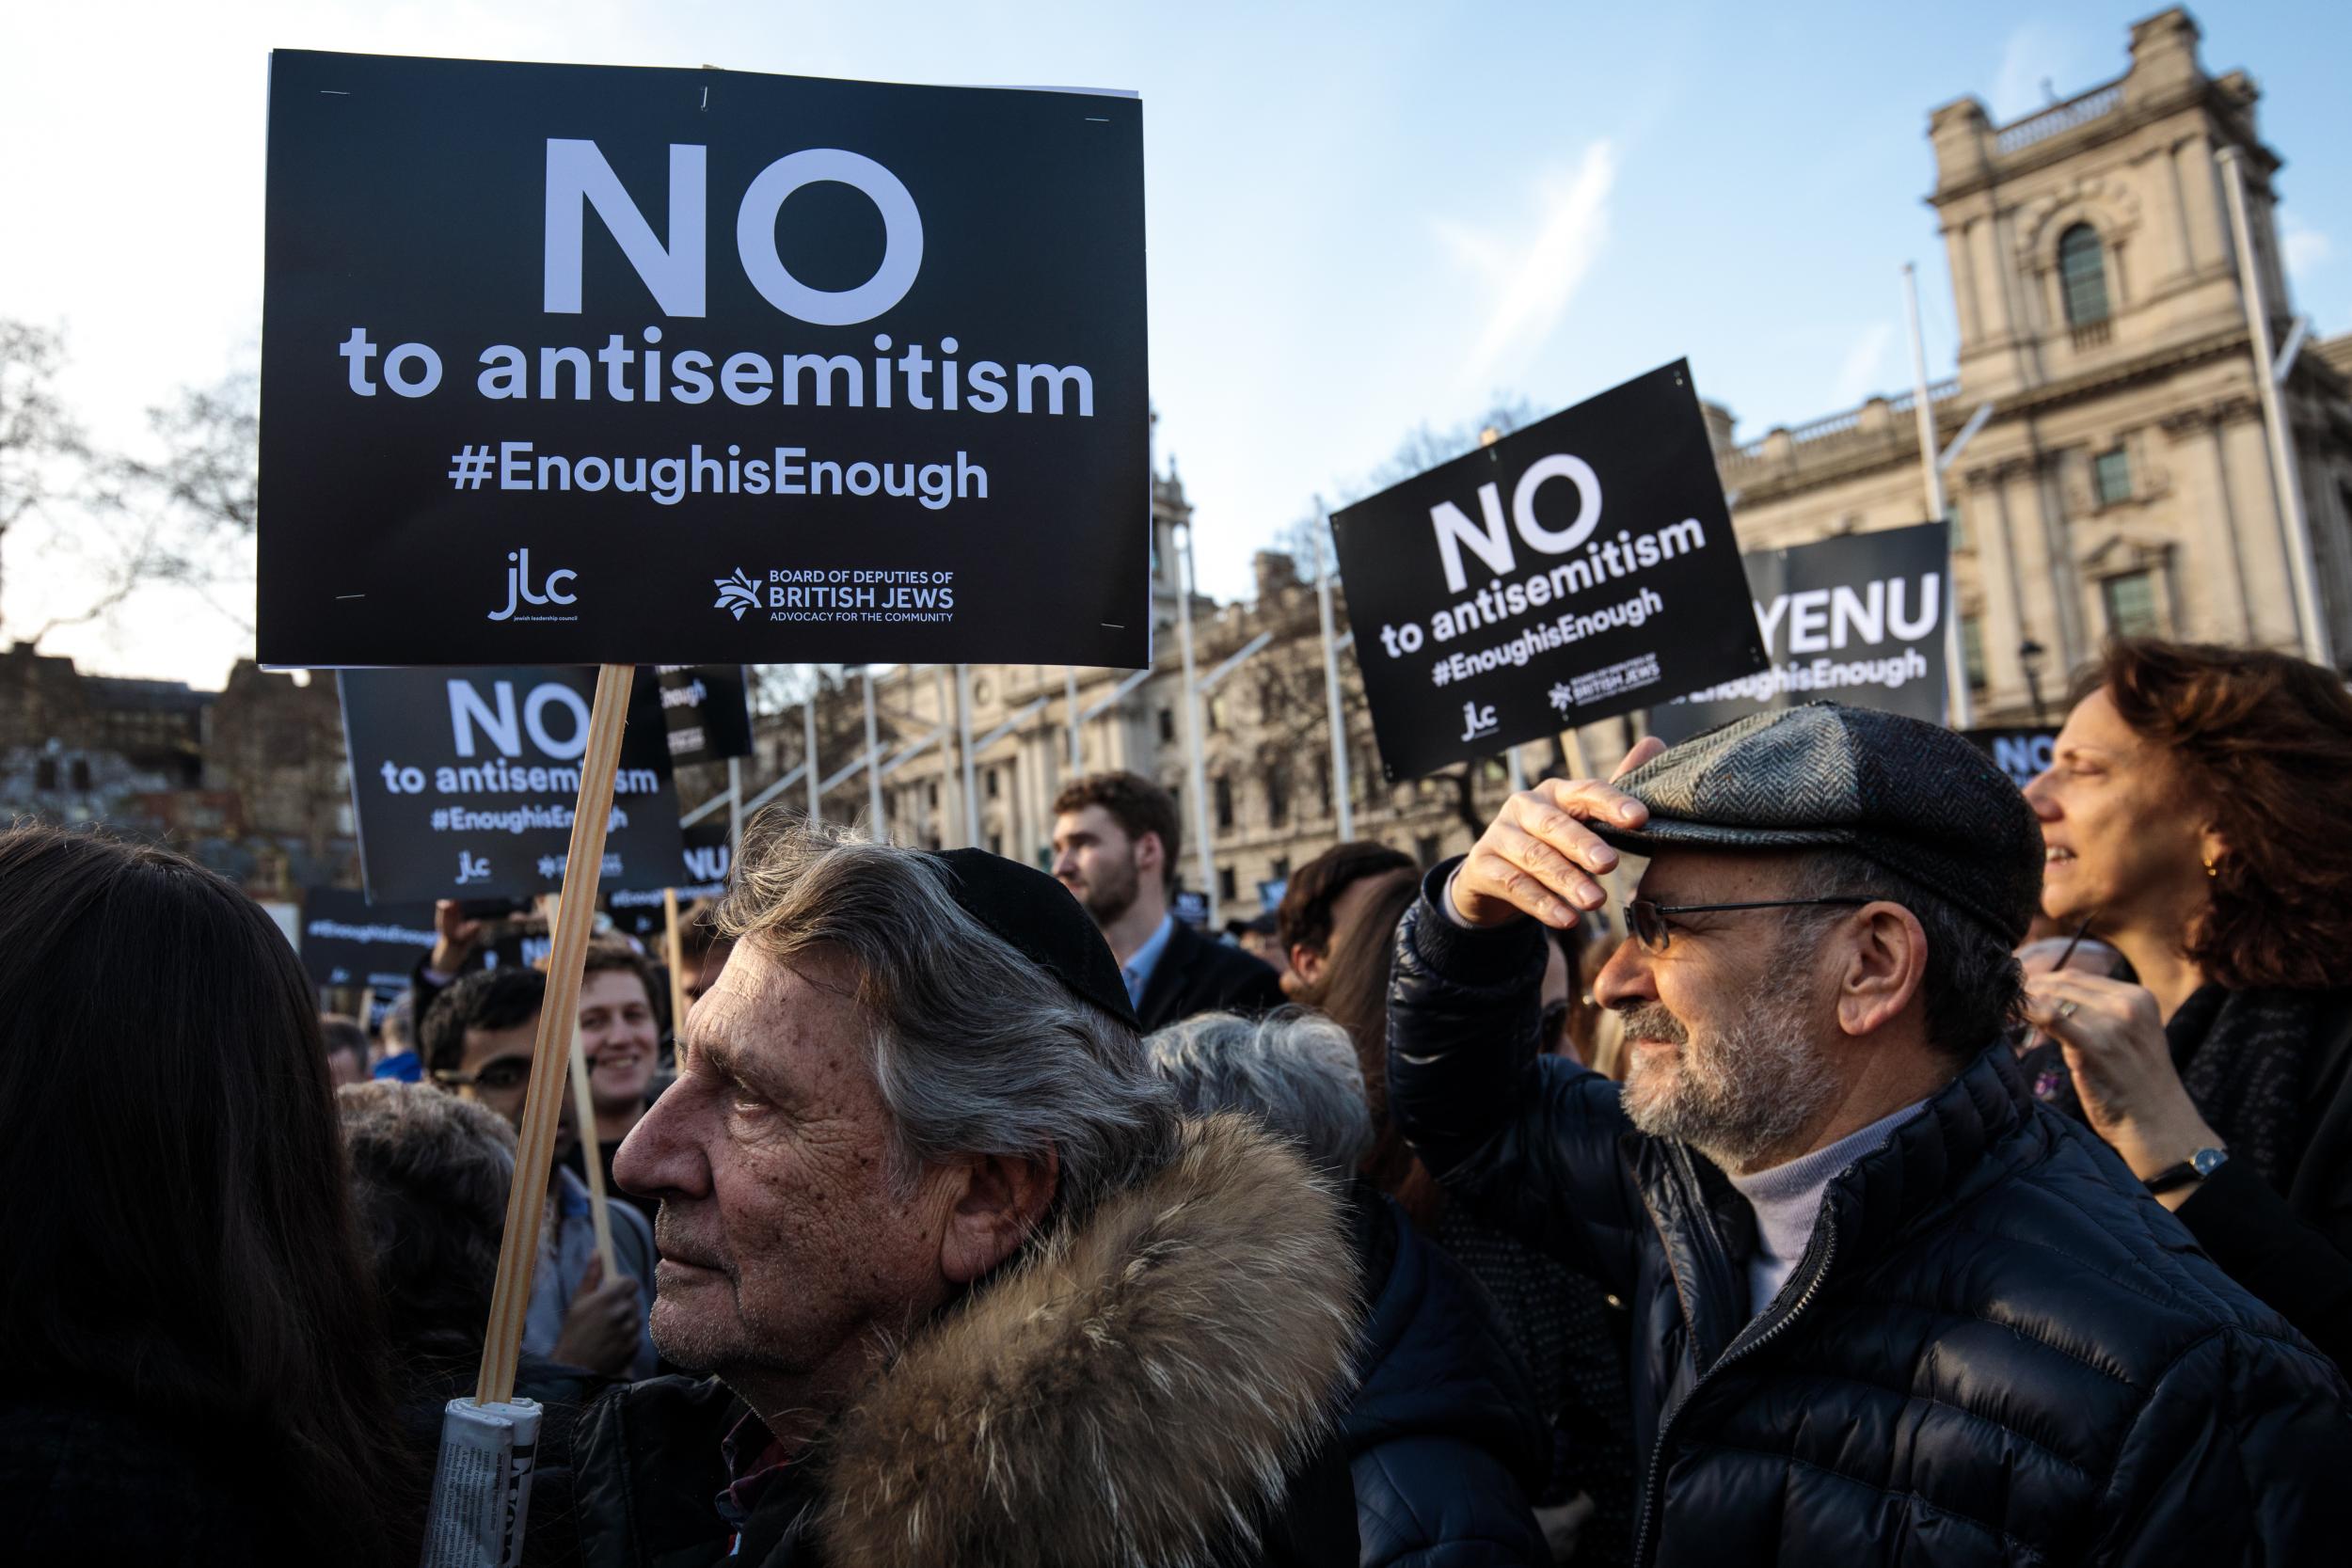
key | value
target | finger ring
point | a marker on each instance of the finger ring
(2066, 1008)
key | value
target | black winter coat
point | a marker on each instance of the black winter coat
(1197, 976)
(1996, 1350)
(1444, 1437)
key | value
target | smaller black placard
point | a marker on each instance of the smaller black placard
(637, 911)
(347, 940)
(1577, 569)
(1857, 619)
(2021, 750)
(465, 781)
(706, 711)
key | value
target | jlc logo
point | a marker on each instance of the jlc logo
(1477, 720)
(579, 178)
(519, 589)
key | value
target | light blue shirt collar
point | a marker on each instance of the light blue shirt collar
(1137, 971)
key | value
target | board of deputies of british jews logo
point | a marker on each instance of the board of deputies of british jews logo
(839, 593)
(553, 588)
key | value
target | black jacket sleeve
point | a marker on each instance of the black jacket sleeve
(2295, 1250)
(2237, 1457)
(2260, 1241)
(1529, 1140)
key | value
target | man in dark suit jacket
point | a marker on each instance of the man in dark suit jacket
(1116, 839)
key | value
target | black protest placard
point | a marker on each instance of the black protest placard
(577, 364)
(465, 781)
(706, 710)
(2021, 751)
(1857, 620)
(639, 911)
(347, 940)
(1577, 569)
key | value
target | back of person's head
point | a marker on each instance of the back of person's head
(1305, 916)
(1137, 804)
(348, 1038)
(429, 1179)
(2263, 742)
(978, 1046)
(1353, 992)
(181, 1244)
(1293, 1069)
(488, 999)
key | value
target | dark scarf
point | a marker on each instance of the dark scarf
(2245, 1058)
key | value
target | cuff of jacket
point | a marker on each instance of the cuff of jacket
(1469, 955)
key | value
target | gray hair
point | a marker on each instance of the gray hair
(976, 1049)
(1293, 1069)
(1974, 989)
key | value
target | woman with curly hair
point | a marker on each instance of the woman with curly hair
(2197, 815)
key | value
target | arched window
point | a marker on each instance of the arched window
(2083, 276)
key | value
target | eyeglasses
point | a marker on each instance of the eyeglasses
(498, 1074)
(1654, 930)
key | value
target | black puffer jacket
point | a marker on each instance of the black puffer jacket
(1996, 1350)
(1444, 1438)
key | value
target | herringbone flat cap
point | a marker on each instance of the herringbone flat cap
(1911, 795)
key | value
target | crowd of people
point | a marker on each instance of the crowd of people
(1802, 1146)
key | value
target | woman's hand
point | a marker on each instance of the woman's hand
(2114, 1042)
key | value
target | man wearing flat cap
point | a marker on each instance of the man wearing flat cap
(967, 1287)
(1887, 1308)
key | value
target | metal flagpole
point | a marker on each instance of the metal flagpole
(2282, 467)
(1518, 769)
(873, 762)
(1077, 737)
(735, 808)
(1955, 661)
(1332, 700)
(963, 748)
(1196, 772)
(808, 746)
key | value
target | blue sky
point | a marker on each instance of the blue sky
(1363, 218)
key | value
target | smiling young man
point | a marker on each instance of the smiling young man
(1889, 1308)
(620, 1033)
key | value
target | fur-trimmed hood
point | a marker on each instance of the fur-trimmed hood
(1134, 1392)
(1140, 1390)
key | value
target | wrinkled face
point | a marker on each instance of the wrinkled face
(618, 1033)
(784, 1238)
(1723, 1030)
(2120, 837)
(1095, 860)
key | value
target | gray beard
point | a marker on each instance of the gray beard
(1740, 1097)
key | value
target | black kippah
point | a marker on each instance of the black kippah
(1041, 920)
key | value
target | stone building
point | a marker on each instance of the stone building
(2121, 484)
(249, 780)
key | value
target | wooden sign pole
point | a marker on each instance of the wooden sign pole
(557, 1039)
(590, 1149)
(673, 954)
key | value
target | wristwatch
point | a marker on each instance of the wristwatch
(2195, 1168)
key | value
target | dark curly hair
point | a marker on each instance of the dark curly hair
(2263, 741)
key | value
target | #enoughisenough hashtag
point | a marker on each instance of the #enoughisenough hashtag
(1443, 672)
(469, 468)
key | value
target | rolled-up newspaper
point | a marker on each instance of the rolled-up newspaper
(482, 1484)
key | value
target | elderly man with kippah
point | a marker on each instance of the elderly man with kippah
(1887, 1308)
